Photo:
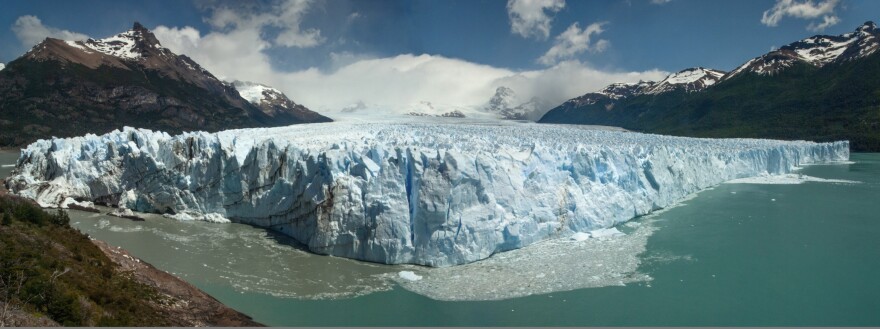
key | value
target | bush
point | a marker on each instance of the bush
(47, 267)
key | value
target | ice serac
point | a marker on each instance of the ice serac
(431, 194)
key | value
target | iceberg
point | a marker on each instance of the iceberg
(434, 194)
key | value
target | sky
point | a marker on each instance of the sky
(332, 55)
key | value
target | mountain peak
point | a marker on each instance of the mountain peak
(131, 44)
(506, 104)
(273, 103)
(256, 93)
(690, 79)
(817, 51)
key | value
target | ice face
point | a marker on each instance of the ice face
(421, 193)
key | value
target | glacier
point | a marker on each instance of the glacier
(427, 193)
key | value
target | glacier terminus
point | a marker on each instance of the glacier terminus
(435, 194)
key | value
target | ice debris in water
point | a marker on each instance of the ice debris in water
(787, 179)
(606, 233)
(580, 236)
(409, 276)
(545, 267)
(423, 193)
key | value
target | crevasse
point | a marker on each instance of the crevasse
(430, 194)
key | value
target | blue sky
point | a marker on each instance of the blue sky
(581, 44)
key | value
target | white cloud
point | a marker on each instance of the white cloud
(285, 16)
(235, 50)
(392, 84)
(574, 41)
(808, 9)
(341, 59)
(397, 83)
(289, 20)
(531, 18)
(237, 54)
(31, 31)
(827, 21)
(660, 2)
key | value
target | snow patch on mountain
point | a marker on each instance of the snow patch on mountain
(121, 45)
(689, 80)
(821, 50)
(2, 66)
(256, 93)
(818, 51)
(433, 193)
(617, 91)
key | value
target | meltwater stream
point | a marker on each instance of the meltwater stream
(737, 254)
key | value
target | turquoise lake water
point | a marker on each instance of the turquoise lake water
(735, 255)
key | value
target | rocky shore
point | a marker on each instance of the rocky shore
(184, 304)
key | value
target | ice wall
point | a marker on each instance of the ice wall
(431, 194)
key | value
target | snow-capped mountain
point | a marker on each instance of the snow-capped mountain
(624, 90)
(689, 80)
(506, 104)
(817, 50)
(431, 109)
(273, 102)
(136, 47)
(612, 92)
(819, 88)
(257, 93)
(97, 85)
(2, 66)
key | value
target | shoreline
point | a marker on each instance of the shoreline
(186, 305)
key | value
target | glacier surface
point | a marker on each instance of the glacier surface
(434, 194)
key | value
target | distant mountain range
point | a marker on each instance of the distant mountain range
(66, 88)
(821, 88)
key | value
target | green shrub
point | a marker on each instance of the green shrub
(49, 268)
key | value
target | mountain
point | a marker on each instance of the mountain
(817, 51)
(2, 66)
(688, 80)
(67, 88)
(275, 104)
(821, 88)
(429, 109)
(504, 103)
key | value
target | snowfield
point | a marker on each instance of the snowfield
(432, 193)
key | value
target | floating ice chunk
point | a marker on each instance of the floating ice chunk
(215, 218)
(68, 202)
(580, 236)
(190, 216)
(606, 233)
(409, 275)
